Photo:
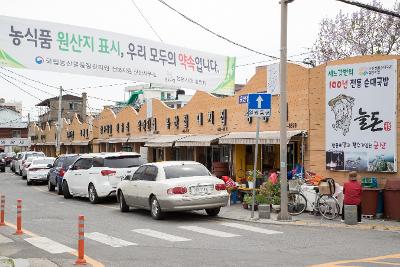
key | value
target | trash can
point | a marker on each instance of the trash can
(392, 199)
(369, 203)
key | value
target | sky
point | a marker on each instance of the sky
(253, 23)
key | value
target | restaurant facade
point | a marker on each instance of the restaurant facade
(217, 132)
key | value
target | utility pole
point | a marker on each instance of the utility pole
(284, 214)
(59, 124)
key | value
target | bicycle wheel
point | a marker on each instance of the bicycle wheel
(328, 207)
(297, 203)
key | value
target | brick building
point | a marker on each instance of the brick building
(216, 131)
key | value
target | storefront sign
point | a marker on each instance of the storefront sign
(361, 117)
(64, 48)
(15, 142)
(243, 99)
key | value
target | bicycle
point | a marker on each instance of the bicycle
(325, 204)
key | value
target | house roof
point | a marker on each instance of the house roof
(46, 102)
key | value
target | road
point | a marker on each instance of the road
(181, 239)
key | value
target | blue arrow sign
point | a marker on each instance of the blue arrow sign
(259, 105)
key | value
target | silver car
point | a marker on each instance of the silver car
(172, 186)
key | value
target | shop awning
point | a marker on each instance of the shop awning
(198, 140)
(141, 138)
(118, 140)
(80, 143)
(164, 140)
(100, 140)
(249, 138)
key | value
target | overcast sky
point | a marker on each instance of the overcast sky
(254, 23)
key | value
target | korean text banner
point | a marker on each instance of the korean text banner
(63, 48)
(360, 119)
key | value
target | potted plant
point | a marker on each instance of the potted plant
(272, 192)
(246, 201)
(250, 177)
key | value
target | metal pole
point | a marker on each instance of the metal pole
(255, 166)
(284, 215)
(59, 124)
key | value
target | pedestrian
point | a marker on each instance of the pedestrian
(352, 194)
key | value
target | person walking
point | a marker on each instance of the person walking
(352, 194)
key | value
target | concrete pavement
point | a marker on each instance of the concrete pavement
(181, 239)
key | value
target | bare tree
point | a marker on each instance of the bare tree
(363, 32)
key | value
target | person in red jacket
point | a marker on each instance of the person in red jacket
(352, 194)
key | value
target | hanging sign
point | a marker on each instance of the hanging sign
(57, 47)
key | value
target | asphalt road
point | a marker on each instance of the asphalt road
(181, 239)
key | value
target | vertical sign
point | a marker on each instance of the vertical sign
(273, 79)
(361, 120)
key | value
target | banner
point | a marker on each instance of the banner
(273, 72)
(15, 142)
(360, 118)
(63, 48)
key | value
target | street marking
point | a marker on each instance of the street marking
(109, 207)
(207, 231)
(160, 235)
(359, 261)
(48, 245)
(251, 228)
(4, 240)
(109, 240)
(89, 260)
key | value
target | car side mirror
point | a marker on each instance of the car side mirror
(49, 165)
(73, 167)
(128, 177)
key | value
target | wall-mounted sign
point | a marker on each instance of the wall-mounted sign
(64, 48)
(361, 120)
(243, 99)
(15, 142)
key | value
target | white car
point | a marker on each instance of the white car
(38, 169)
(97, 175)
(19, 165)
(172, 186)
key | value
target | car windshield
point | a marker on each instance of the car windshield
(185, 170)
(123, 162)
(42, 161)
(67, 161)
(35, 155)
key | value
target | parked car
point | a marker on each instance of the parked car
(38, 169)
(25, 155)
(172, 186)
(97, 175)
(56, 173)
(3, 162)
(14, 161)
(9, 157)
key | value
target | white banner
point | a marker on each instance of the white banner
(15, 142)
(63, 48)
(273, 79)
(360, 119)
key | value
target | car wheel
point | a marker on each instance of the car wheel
(122, 204)
(20, 172)
(28, 182)
(65, 190)
(93, 198)
(3, 170)
(213, 212)
(59, 189)
(50, 186)
(155, 209)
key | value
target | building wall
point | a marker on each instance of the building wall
(316, 139)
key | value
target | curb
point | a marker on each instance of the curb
(374, 227)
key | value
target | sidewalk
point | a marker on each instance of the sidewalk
(237, 212)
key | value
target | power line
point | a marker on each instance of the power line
(372, 8)
(214, 33)
(148, 23)
(13, 78)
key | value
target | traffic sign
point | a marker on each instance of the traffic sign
(259, 105)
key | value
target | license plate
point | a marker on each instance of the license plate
(200, 190)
